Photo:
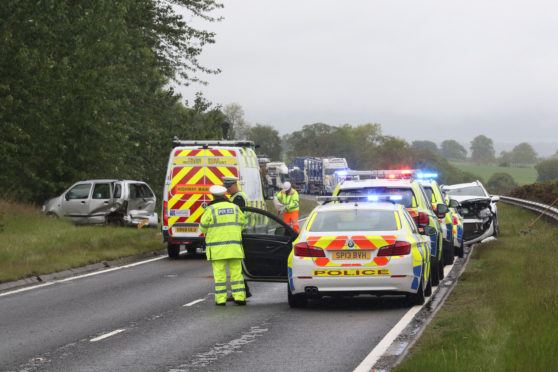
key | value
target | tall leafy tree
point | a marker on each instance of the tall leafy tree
(451, 149)
(426, 145)
(524, 154)
(482, 150)
(83, 89)
(547, 170)
(268, 140)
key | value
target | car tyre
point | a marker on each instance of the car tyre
(296, 300)
(173, 250)
(460, 252)
(449, 252)
(441, 266)
(434, 271)
(496, 227)
(428, 289)
(419, 297)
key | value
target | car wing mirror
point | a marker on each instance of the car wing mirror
(428, 230)
(454, 203)
(441, 210)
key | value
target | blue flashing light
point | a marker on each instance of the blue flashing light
(342, 173)
(373, 198)
(427, 176)
(395, 197)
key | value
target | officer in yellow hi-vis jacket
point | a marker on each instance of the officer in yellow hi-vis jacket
(222, 224)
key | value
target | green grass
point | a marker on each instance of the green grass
(32, 244)
(503, 313)
(523, 175)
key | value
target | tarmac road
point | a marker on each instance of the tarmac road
(160, 316)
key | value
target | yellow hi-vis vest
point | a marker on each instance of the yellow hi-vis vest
(243, 196)
(222, 225)
(290, 201)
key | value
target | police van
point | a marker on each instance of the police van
(193, 167)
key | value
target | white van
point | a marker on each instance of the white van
(193, 167)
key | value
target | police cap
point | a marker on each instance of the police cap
(229, 181)
(217, 190)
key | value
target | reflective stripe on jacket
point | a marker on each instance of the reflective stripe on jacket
(222, 225)
(290, 201)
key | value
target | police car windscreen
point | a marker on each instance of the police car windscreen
(382, 194)
(429, 193)
(354, 220)
(469, 191)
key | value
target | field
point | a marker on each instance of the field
(503, 313)
(32, 244)
(522, 176)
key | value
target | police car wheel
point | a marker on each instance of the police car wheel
(434, 271)
(296, 300)
(460, 252)
(449, 252)
(441, 266)
(173, 250)
(428, 289)
(419, 297)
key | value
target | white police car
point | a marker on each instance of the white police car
(345, 248)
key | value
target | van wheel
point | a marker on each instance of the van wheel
(417, 298)
(173, 250)
(296, 300)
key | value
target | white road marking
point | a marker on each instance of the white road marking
(368, 363)
(194, 302)
(81, 276)
(107, 335)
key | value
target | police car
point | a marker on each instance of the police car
(398, 187)
(348, 247)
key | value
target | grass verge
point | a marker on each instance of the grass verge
(521, 175)
(503, 313)
(32, 244)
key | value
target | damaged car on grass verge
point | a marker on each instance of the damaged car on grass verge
(478, 208)
(106, 201)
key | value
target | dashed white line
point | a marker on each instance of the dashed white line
(194, 302)
(107, 335)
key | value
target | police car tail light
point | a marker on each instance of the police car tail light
(455, 222)
(305, 250)
(396, 249)
(165, 217)
(423, 219)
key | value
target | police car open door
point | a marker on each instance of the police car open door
(267, 244)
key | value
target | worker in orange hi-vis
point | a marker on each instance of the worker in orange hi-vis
(288, 199)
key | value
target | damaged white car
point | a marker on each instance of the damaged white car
(478, 208)
(120, 202)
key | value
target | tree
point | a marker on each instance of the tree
(84, 89)
(426, 145)
(482, 150)
(501, 183)
(267, 138)
(547, 170)
(523, 154)
(451, 149)
(235, 116)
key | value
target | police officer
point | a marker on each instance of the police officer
(241, 199)
(237, 197)
(222, 224)
(288, 199)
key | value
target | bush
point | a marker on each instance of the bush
(501, 183)
(548, 170)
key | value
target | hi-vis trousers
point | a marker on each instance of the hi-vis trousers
(291, 219)
(237, 280)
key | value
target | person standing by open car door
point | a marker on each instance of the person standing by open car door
(222, 224)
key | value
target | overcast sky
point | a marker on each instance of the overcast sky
(422, 69)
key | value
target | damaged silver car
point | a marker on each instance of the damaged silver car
(478, 208)
(120, 202)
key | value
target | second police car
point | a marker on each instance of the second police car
(346, 247)
(408, 192)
